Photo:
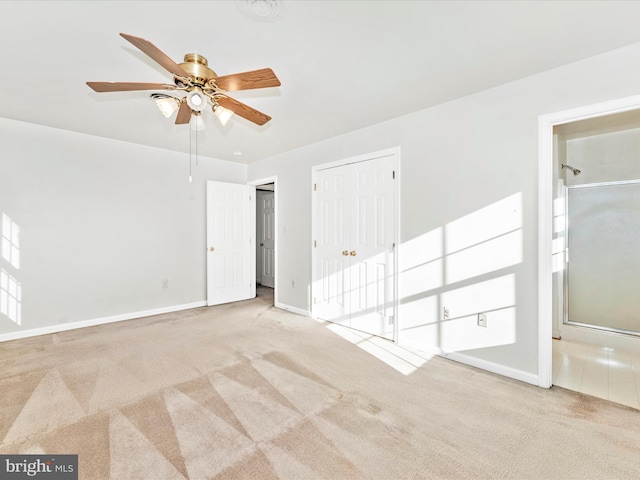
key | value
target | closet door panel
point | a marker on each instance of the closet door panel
(372, 203)
(331, 285)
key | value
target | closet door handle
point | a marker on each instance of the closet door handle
(353, 253)
(345, 253)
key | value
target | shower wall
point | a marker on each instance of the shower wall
(605, 157)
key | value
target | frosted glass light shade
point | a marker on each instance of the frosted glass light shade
(167, 105)
(223, 114)
(196, 100)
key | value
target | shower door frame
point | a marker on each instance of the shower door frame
(565, 319)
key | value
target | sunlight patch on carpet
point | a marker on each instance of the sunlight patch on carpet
(398, 358)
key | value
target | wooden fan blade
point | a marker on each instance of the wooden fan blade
(128, 86)
(245, 81)
(156, 54)
(245, 111)
(184, 113)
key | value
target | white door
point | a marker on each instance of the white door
(266, 239)
(372, 245)
(230, 242)
(354, 245)
(331, 283)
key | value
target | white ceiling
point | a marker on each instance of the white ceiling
(343, 65)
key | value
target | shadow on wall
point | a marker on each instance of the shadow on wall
(440, 305)
(10, 287)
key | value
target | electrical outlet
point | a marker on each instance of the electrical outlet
(445, 313)
(482, 319)
(165, 283)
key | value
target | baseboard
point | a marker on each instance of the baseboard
(492, 367)
(474, 362)
(289, 308)
(97, 321)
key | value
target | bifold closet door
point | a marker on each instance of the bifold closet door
(371, 253)
(353, 275)
(331, 282)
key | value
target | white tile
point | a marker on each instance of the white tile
(595, 378)
(556, 359)
(622, 381)
(570, 372)
(602, 371)
(635, 361)
(598, 354)
(636, 374)
(576, 350)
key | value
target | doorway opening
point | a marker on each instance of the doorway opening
(265, 274)
(590, 176)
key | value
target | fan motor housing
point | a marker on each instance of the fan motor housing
(196, 66)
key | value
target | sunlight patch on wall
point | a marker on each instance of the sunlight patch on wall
(558, 254)
(484, 241)
(559, 225)
(496, 298)
(10, 297)
(10, 241)
(439, 303)
(489, 256)
(10, 287)
(421, 264)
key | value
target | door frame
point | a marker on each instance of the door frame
(390, 152)
(546, 177)
(262, 181)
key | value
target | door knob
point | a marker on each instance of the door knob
(262, 244)
(353, 253)
(211, 249)
(345, 253)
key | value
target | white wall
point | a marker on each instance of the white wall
(469, 208)
(102, 223)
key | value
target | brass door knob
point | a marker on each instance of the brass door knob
(353, 253)
(211, 249)
(345, 253)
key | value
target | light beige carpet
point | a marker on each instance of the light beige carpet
(247, 391)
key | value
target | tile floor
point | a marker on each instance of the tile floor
(603, 372)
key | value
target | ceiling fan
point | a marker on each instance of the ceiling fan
(203, 87)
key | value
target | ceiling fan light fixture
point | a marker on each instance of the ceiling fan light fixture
(223, 114)
(166, 103)
(196, 84)
(196, 100)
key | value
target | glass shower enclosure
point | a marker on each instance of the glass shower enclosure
(602, 281)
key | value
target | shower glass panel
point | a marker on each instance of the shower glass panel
(603, 269)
